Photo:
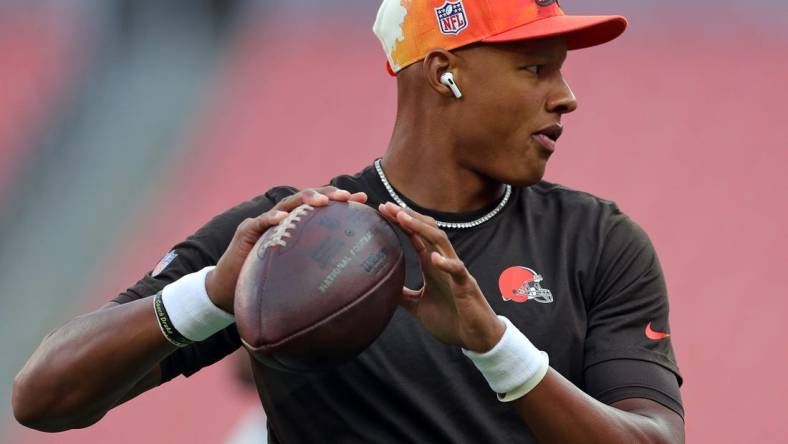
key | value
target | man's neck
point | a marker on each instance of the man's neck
(429, 176)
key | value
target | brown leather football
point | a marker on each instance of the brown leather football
(318, 288)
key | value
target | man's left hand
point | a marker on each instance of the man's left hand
(450, 305)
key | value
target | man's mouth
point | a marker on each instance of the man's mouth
(548, 136)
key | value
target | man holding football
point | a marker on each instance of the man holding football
(547, 296)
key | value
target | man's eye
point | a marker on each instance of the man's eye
(535, 69)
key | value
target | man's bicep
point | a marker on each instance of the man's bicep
(666, 419)
(615, 380)
(641, 387)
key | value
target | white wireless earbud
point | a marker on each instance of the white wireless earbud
(447, 79)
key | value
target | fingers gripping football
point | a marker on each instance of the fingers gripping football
(437, 249)
(450, 305)
(252, 228)
(318, 197)
(220, 283)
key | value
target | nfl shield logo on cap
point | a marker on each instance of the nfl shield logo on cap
(452, 18)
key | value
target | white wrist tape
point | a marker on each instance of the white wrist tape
(190, 309)
(514, 366)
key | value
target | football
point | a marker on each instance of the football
(318, 288)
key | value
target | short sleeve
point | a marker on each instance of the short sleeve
(618, 379)
(202, 249)
(628, 307)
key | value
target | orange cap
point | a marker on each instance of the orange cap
(409, 29)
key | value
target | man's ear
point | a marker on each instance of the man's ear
(437, 62)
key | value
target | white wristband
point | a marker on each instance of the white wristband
(190, 309)
(514, 366)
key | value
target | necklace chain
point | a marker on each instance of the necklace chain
(441, 224)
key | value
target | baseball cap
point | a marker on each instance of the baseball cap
(409, 29)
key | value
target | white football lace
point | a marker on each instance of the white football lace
(279, 233)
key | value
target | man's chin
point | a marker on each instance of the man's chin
(527, 178)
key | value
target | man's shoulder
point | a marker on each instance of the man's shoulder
(581, 210)
(562, 197)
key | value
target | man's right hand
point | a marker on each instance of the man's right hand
(101, 359)
(220, 282)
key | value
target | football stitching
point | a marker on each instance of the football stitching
(279, 233)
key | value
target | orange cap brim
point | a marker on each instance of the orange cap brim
(580, 31)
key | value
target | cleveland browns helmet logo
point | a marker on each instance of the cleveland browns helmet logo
(521, 284)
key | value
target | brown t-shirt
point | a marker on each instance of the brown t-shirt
(570, 270)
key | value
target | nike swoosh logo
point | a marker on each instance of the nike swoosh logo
(655, 335)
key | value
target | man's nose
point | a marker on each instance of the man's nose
(563, 101)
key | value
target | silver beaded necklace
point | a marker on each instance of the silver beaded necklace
(441, 224)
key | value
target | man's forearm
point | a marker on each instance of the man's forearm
(556, 411)
(88, 366)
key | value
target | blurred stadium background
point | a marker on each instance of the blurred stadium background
(126, 124)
